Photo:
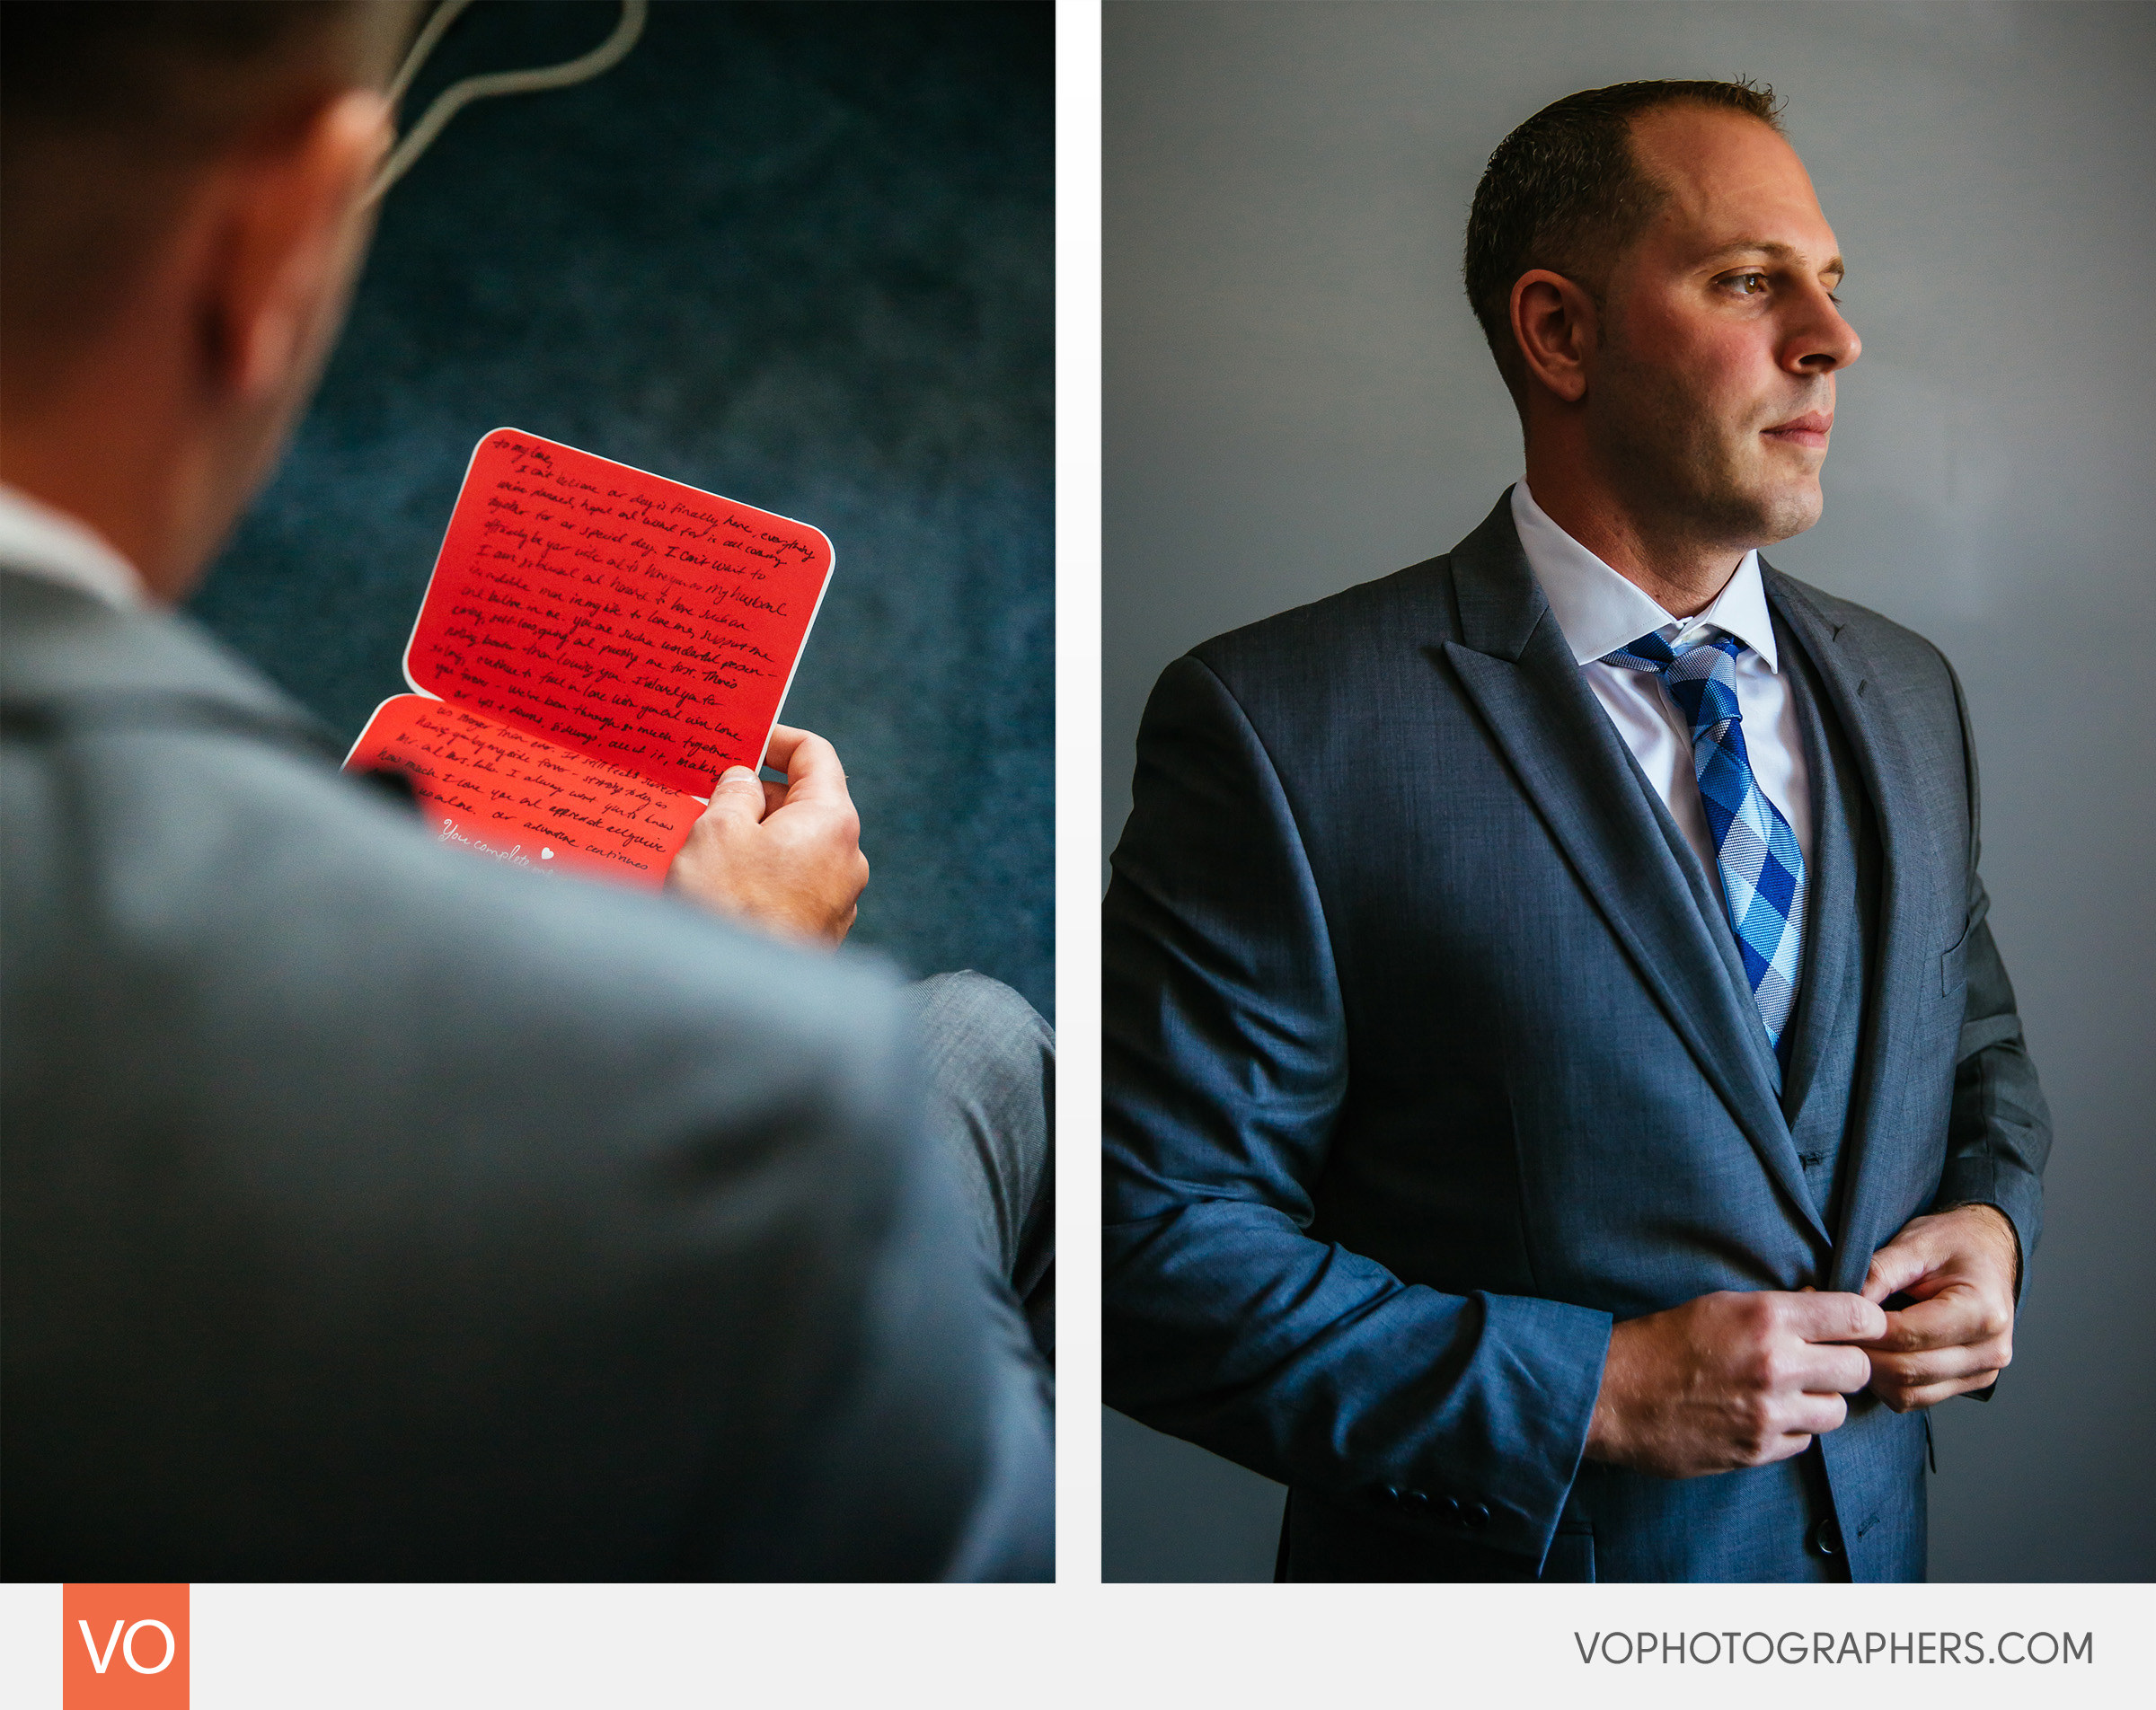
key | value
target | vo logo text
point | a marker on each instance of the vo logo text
(124, 1647)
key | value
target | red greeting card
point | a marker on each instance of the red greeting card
(597, 645)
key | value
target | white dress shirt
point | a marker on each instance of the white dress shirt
(1599, 612)
(39, 541)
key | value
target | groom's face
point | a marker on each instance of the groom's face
(1713, 387)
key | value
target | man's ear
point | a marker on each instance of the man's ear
(1555, 325)
(292, 218)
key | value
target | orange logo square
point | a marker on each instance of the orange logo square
(123, 1647)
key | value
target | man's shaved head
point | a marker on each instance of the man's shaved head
(108, 110)
(1566, 191)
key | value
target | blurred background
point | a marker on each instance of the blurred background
(799, 255)
(1297, 399)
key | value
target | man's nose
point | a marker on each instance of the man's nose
(1823, 342)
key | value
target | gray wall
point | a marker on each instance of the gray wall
(1297, 400)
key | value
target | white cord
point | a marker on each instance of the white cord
(459, 95)
(445, 14)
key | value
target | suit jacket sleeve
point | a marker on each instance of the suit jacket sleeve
(369, 1211)
(1226, 1067)
(1999, 1131)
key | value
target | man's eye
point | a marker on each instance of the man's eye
(1749, 283)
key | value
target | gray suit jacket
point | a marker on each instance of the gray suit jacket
(1424, 1063)
(374, 1211)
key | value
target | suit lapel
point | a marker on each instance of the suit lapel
(1899, 965)
(1513, 663)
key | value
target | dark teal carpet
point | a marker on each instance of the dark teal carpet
(801, 255)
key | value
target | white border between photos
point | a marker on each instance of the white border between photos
(1078, 618)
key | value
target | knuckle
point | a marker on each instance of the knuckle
(1763, 1446)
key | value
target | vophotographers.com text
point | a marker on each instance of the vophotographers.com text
(1923, 1649)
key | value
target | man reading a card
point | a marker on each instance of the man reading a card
(371, 1210)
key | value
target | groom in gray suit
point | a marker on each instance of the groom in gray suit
(1567, 1116)
(371, 1211)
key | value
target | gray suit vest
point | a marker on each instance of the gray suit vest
(1819, 1086)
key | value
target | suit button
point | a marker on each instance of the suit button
(1390, 1493)
(1450, 1506)
(1478, 1517)
(1823, 1539)
(1419, 1499)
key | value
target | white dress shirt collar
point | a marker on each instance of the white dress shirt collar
(39, 541)
(1599, 611)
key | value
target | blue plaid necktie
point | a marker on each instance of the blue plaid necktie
(1762, 868)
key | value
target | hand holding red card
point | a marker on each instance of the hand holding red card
(595, 646)
(784, 857)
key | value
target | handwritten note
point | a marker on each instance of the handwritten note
(498, 792)
(650, 625)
